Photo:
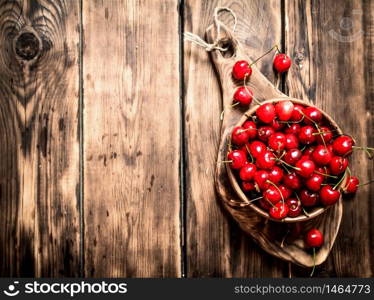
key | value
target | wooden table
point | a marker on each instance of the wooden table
(109, 127)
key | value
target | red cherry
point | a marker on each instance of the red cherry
(277, 141)
(279, 211)
(261, 178)
(291, 141)
(265, 132)
(294, 207)
(314, 238)
(306, 135)
(265, 160)
(239, 136)
(343, 145)
(247, 172)
(328, 195)
(323, 170)
(312, 114)
(308, 151)
(251, 128)
(297, 115)
(264, 204)
(272, 194)
(276, 175)
(293, 129)
(284, 110)
(266, 113)
(308, 198)
(238, 159)
(321, 155)
(338, 165)
(325, 135)
(352, 185)
(305, 168)
(292, 181)
(292, 156)
(282, 62)
(241, 69)
(313, 183)
(243, 95)
(286, 192)
(276, 125)
(247, 186)
(256, 148)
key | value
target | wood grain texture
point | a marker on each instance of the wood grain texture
(39, 147)
(331, 44)
(131, 139)
(216, 247)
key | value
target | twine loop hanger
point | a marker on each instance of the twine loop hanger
(188, 36)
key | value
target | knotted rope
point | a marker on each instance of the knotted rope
(188, 36)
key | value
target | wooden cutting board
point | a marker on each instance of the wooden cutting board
(283, 240)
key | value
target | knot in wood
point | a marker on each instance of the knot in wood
(27, 46)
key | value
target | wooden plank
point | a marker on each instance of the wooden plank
(39, 148)
(131, 139)
(334, 69)
(216, 247)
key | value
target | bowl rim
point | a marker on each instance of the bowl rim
(235, 185)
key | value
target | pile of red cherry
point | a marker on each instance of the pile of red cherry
(289, 153)
(288, 157)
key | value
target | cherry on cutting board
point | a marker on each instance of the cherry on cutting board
(282, 63)
(241, 70)
(243, 95)
(314, 238)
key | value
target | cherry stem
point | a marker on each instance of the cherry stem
(321, 132)
(283, 162)
(243, 204)
(327, 175)
(223, 111)
(226, 161)
(248, 91)
(340, 181)
(314, 262)
(273, 184)
(271, 203)
(316, 125)
(249, 152)
(305, 212)
(266, 53)
(255, 199)
(291, 122)
(366, 183)
(363, 148)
